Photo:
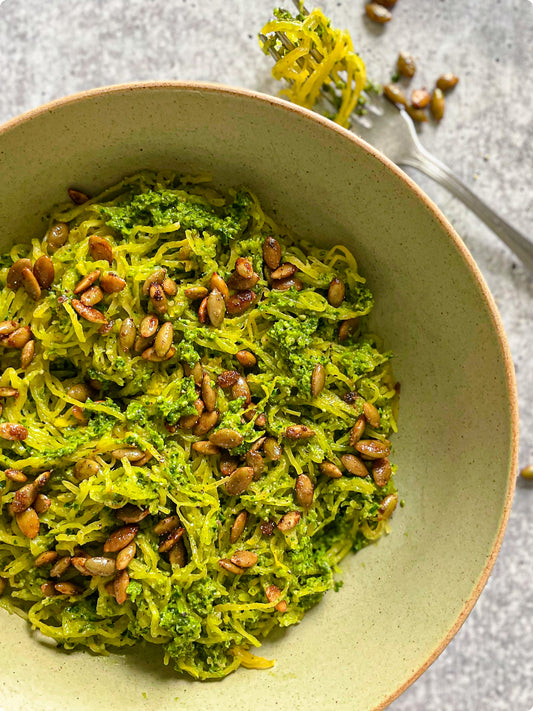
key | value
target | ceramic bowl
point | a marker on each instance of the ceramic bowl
(404, 598)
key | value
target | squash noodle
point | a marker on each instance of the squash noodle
(205, 618)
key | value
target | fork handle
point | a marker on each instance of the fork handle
(426, 162)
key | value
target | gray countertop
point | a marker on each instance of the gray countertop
(50, 49)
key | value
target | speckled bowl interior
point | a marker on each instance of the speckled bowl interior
(404, 598)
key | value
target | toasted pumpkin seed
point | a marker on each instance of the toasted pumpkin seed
(377, 13)
(205, 448)
(238, 526)
(19, 337)
(132, 454)
(271, 252)
(79, 415)
(244, 267)
(406, 64)
(87, 312)
(8, 392)
(230, 567)
(13, 431)
(239, 481)
(196, 292)
(438, 104)
(44, 271)
(336, 292)
(273, 593)
(158, 298)
(387, 506)
(255, 460)
(348, 328)
(209, 395)
(26, 355)
(525, 473)
(120, 538)
(227, 464)
(318, 378)
(87, 281)
(86, 468)
(272, 449)
(166, 525)
(127, 334)
(131, 514)
(57, 235)
(354, 465)
(226, 438)
(196, 372)
(241, 389)
(77, 196)
(395, 94)
(156, 277)
(100, 565)
(244, 559)
(111, 283)
(100, 249)
(48, 589)
(171, 540)
(420, 98)
(284, 271)
(330, 470)
(14, 275)
(148, 326)
(285, 284)
(206, 422)
(218, 284)
(79, 391)
(260, 420)
(41, 504)
(246, 359)
(240, 302)
(169, 287)
(177, 555)
(418, 115)
(357, 430)
(381, 471)
(67, 589)
(27, 494)
(16, 475)
(163, 340)
(304, 491)
(60, 566)
(447, 81)
(120, 586)
(78, 562)
(289, 521)
(151, 355)
(240, 283)
(45, 559)
(299, 432)
(216, 308)
(372, 449)
(202, 311)
(371, 414)
(92, 296)
(7, 327)
(228, 378)
(30, 284)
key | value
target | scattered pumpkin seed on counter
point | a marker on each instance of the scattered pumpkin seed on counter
(199, 432)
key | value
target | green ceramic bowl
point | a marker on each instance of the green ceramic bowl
(404, 598)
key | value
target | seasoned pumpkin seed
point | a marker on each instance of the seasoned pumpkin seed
(92, 296)
(209, 394)
(57, 235)
(30, 284)
(163, 339)
(318, 379)
(372, 415)
(447, 81)
(86, 468)
(111, 283)
(244, 559)
(230, 567)
(238, 526)
(246, 359)
(304, 491)
(100, 249)
(330, 470)
(289, 521)
(239, 481)
(14, 275)
(377, 13)
(216, 308)
(120, 586)
(381, 471)
(406, 64)
(120, 538)
(372, 449)
(87, 281)
(226, 438)
(438, 104)
(354, 465)
(26, 355)
(44, 271)
(271, 252)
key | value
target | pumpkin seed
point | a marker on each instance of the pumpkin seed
(196, 372)
(227, 464)
(246, 359)
(177, 555)
(381, 471)
(271, 252)
(100, 565)
(148, 326)
(377, 13)
(372, 449)
(120, 586)
(60, 566)
(151, 355)
(120, 538)
(87, 312)
(14, 275)
(284, 271)
(26, 355)
(336, 292)
(216, 308)
(77, 196)
(228, 378)
(225, 438)
(48, 589)
(241, 389)
(244, 267)
(158, 298)
(209, 395)
(230, 567)
(16, 475)
(273, 593)
(354, 465)
(289, 521)
(13, 431)
(30, 284)
(41, 504)
(57, 235)
(238, 526)
(272, 449)
(330, 470)
(206, 422)
(196, 292)
(27, 494)
(260, 420)
(131, 514)
(219, 284)
(78, 414)
(255, 460)
(438, 104)
(420, 98)
(240, 283)
(86, 468)
(418, 115)
(100, 249)
(406, 64)
(395, 94)
(79, 391)
(169, 287)
(111, 283)
(45, 559)
(78, 562)
(163, 340)
(87, 281)
(202, 311)
(44, 271)
(447, 81)
(67, 589)
(132, 454)
(525, 473)
(166, 525)
(371, 414)
(239, 481)
(387, 506)
(156, 277)
(285, 284)
(92, 296)
(19, 338)
(8, 392)
(299, 432)
(171, 540)
(357, 430)
(205, 448)
(304, 491)
(240, 302)
(244, 559)
(348, 328)
(318, 378)
(7, 327)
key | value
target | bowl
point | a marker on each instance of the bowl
(404, 598)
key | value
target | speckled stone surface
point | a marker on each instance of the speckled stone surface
(50, 49)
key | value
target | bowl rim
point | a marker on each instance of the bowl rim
(327, 124)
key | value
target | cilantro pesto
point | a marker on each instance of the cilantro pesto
(194, 425)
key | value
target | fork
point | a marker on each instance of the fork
(389, 128)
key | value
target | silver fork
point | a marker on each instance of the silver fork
(390, 129)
